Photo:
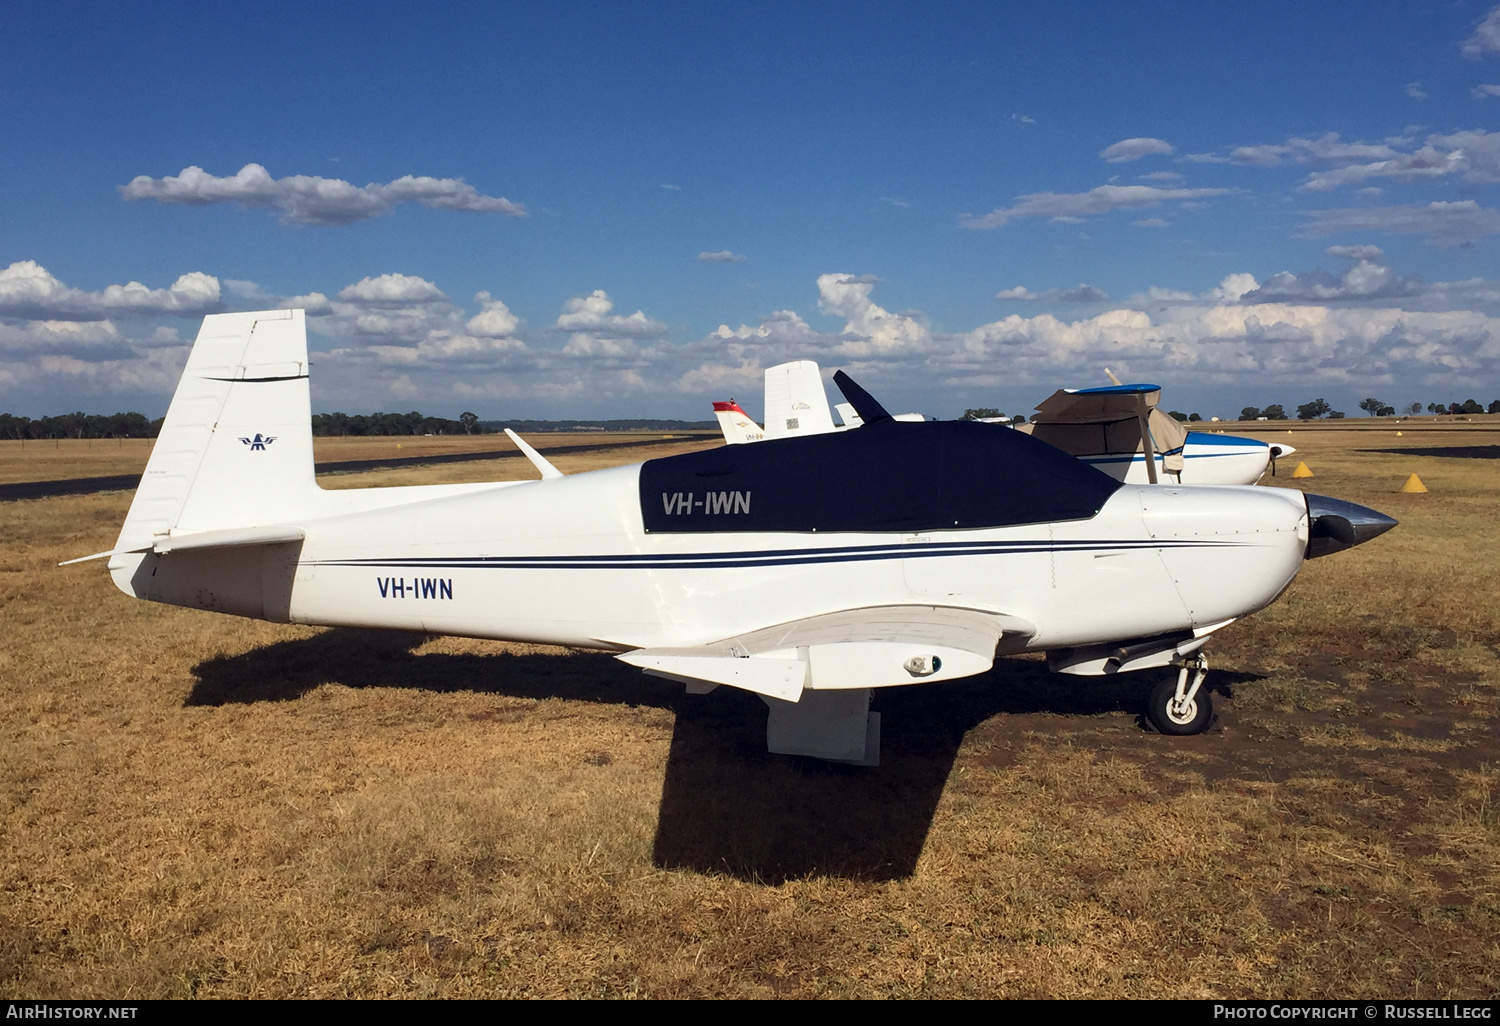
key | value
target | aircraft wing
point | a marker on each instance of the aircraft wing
(1088, 405)
(872, 646)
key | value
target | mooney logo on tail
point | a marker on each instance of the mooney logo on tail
(259, 441)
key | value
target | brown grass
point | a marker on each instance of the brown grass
(194, 805)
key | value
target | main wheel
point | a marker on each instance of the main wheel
(1165, 716)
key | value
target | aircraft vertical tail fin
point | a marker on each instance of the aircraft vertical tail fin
(235, 449)
(736, 424)
(795, 401)
(848, 416)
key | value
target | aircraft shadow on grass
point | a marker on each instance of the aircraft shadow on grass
(727, 805)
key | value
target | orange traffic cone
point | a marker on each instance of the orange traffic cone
(1302, 470)
(1413, 484)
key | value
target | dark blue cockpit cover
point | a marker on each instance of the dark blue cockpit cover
(889, 476)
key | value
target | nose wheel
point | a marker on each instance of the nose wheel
(1182, 707)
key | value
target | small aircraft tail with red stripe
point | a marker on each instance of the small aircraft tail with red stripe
(736, 424)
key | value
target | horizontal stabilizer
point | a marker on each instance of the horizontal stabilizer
(207, 540)
(232, 537)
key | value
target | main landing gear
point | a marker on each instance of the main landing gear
(1182, 706)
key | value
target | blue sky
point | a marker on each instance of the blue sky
(599, 210)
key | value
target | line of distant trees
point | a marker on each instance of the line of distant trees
(1467, 406)
(80, 425)
(414, 423)
(531, 426)
(136, 425)
(1319, 409)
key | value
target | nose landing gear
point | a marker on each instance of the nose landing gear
(1182, 707)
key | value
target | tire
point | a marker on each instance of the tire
(1159, 709)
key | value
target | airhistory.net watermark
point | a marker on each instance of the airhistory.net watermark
(69, 1010)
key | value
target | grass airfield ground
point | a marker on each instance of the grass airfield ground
(193, 804)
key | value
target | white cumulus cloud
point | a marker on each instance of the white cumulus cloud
(393, 290)
(29, 290)
(1365, 280)
(494, 319)
(1486, 37)
(1363, 327)
(1134, 149)
(310, 199)
(592, 314)
(869, 328)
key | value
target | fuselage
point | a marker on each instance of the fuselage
(587, 560)
(1208, 459)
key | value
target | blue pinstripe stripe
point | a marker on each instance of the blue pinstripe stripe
(769, 557)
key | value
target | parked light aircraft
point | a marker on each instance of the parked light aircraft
(1114, 427)
(1111, 428)
(795, 404)
(808, 570)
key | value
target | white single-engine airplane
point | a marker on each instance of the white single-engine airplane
(808, 570)
(1114, 428)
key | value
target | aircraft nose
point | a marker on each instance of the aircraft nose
(1335, 525)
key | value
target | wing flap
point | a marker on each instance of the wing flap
(778, 678)
(873, 646)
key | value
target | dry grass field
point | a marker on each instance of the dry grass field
(196, 805)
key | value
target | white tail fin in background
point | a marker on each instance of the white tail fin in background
(235, 450)
(736, 424)
(848, 416)
(795, 401)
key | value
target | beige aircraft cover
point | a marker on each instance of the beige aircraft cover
(1093, 423)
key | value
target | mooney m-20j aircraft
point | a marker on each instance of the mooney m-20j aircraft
(808, 570)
